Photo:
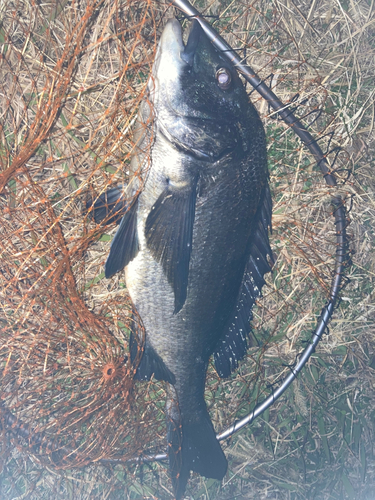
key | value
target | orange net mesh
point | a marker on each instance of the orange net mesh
(72, 78)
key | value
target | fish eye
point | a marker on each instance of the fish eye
(223, 78)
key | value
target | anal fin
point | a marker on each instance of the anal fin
(151, 363)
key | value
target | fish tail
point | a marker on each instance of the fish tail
(193, 446)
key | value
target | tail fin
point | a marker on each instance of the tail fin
(193, 446)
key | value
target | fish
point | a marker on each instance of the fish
(194, 237)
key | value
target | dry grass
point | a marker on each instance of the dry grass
(71, 78)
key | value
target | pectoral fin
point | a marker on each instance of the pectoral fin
(169, 235)
(124, 245)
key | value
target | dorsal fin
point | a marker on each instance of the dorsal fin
(233, 346)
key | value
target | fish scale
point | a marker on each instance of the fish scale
(194, 242)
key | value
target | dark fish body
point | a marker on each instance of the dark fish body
(194, 243)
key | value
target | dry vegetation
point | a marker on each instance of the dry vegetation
(71, 78)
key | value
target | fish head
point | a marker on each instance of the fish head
(193, 78)
(200, 103)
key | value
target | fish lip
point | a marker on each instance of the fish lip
(188, 53)
(171, 42)
(176, 28)
(173, 31)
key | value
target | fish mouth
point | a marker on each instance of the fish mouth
(173, 44)
(187, 55)
(172, 51)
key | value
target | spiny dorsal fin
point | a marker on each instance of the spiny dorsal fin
(233, 346)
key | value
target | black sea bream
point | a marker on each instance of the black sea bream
(194, 243)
